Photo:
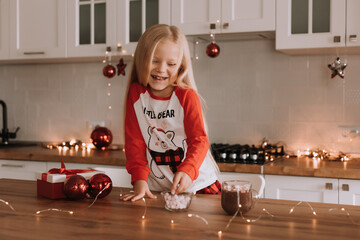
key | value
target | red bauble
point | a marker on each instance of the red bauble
(76, 187)
(101, 137)
(100, 182)
(212, 50)
(109, 71)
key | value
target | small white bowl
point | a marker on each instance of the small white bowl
(177, 202)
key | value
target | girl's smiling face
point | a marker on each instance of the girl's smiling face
(164, 68)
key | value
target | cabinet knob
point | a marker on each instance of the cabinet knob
(345, 187)
(352, 38)
(337, 39)
(226, 25)
(328, 186)
(212, 25)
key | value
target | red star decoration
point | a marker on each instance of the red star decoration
(337, 68)
(121, 67)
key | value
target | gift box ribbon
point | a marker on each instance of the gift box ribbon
(63, 170)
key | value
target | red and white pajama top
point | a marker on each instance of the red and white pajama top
(165, 135)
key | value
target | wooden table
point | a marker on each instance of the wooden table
(110, 218)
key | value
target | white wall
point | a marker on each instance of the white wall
(251, 91)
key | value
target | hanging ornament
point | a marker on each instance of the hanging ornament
(76, 187)
(109, 70)
(100, 183)
(337, 68)
(213, 50)
(121, 67)
(101, 137)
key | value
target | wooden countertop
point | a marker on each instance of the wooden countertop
(110, 218)
(301, 166)
(305, 166)
(37, 153)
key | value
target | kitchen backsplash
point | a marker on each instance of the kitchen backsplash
(251, 92)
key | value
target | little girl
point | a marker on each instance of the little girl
(166, 144)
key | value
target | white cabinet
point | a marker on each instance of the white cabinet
(94, 25)
(37, 29)
(313, 24)
(118, 175)
(349, 192)
(24, 170)
(135, 16)
(309, 189)
(4, 29)
(223, 16)
(91, 27)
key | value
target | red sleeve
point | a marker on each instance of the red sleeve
(196, 137)
(135, 146)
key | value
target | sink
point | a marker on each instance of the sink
(19, 144)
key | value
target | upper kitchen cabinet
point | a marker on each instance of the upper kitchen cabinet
(94, 25)
(37, 29)
(223, 16)
(135, 16)
(4, 29)
(91, 27)
(318, 26)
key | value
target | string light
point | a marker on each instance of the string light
(55, 210)
(143, 216)
(104, 188)
(346, 212)
(293, 208)
(7, 204)
(198, 216)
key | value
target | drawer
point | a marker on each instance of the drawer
(17, 169)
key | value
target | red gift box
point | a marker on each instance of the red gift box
(51, 184)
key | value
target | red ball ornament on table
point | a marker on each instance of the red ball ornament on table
(212, 50)
(101, 137)
(76, 187)
(109, 71)
(100, 183)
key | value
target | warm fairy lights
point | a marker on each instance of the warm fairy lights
(105, 187)
(323, 154)
(54, 210)
(200, 217)
(7, 204)
(293, 208)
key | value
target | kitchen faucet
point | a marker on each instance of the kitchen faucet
(5, 134)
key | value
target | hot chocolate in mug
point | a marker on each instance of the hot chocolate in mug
(237, 195)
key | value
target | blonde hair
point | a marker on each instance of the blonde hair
(145, 49)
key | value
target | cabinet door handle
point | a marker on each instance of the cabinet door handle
(12, 165)
(212, 25)
(328, 186)
(345, 187)
(34, 53)
(353, 38)
(337, 39)
(226, 25)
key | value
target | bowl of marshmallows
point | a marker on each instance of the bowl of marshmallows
(177, 202)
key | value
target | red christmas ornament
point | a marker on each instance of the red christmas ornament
(109, 71)
(76, 187)
(101, 137)
(212, 50)
(100, 183)
(121, 67)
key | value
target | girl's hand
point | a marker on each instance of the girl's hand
(141, 188)
(181, 182)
